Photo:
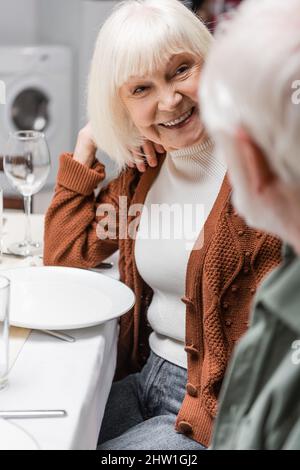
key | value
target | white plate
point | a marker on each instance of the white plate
(58, 298)
(12, 437)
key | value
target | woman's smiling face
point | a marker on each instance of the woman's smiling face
(164, 105)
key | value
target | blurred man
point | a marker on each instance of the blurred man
(250, 103)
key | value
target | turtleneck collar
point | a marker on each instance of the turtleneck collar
(196, 161)
(207, 144)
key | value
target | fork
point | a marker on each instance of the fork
(59, 335)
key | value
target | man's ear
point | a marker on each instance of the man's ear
(258, 168)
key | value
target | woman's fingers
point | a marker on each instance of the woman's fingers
(150, 153)
(159, 148)
(137, 161)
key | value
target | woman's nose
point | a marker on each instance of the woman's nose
(169, 100)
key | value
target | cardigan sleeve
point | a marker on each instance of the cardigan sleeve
(76, 217)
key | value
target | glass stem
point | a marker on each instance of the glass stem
(27, 207)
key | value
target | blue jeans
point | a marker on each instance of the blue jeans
(141, 410)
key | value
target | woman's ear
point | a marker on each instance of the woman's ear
(260, 173)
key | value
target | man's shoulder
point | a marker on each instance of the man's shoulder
(280, 293)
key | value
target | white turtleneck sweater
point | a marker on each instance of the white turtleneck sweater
(189, 182)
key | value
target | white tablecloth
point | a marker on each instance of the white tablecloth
(53, 374)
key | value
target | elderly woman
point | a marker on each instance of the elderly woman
(193, 286)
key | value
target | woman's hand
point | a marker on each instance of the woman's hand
(85, 149)
(149, 149)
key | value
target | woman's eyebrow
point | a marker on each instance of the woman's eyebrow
(174, 61)
(178, 57)
(136, 80)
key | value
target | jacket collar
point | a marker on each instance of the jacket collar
(280, 293)
(146, 180)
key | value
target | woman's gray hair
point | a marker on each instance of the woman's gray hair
(137, 38)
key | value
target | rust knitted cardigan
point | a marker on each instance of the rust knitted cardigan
(221, 278)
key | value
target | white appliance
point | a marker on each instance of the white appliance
(38, 96)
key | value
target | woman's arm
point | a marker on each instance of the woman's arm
(70, 225)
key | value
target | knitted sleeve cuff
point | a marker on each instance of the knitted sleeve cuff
(77, 177)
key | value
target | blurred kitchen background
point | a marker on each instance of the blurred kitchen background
(45, 52)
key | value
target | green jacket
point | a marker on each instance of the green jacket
(260, 398)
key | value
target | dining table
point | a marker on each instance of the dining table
(48, 373)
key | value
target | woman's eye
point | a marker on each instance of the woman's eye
(138, 90)
(181, 69)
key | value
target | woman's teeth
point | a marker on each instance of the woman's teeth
(179, 120)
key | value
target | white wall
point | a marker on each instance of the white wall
(18, 21)
(92, 16)
(59, 23)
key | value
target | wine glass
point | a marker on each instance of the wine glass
(26, 164)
